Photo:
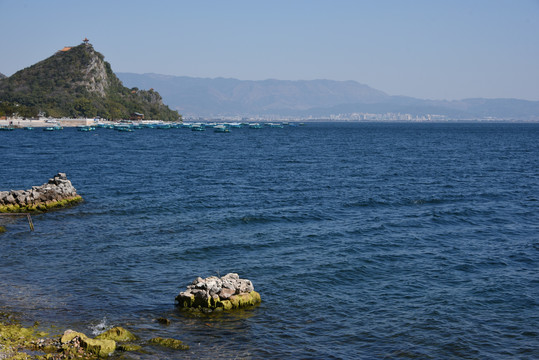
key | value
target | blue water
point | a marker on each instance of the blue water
(364, 240)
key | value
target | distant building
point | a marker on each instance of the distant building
(137, 116)
(66, 48)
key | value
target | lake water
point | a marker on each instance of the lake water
(364, 240)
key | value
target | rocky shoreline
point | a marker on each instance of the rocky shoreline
(18, 343)
(57, 192)
(205, 295)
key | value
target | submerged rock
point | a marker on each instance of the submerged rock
(214, 293)
(57, 192)
(128, 347)
(170, 343)
(162, 320)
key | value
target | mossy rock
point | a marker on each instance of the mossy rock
(117, 334)
(234, 302)
(169, 343)
(128, 347)
(40, 207)
(2, 229)
(10, 208)
(99, 347)
(14, 333)
(13, 337)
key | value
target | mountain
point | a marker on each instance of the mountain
(2, 76)
(220, 96)
(231, 96)
(77, 82)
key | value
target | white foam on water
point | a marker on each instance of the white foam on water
(100, 327)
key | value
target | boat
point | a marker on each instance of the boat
(198, 127)
(85, 128)
(221, 129)
(6, 128)
(124, 128)
(48, 128)
(28, 128)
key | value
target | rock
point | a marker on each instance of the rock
(58, 192)
(226, 293)
(128, 347)
(197, 280)
(162, 320)
(100, 347)
(213, 293)
(244, 286)
(117, 334)
(10, 199)
(170, 343)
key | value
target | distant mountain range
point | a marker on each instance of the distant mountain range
(319, 98)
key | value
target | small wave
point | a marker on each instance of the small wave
(100, 327)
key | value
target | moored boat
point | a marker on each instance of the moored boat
(85, 128)
(221, 129)
(198, 127)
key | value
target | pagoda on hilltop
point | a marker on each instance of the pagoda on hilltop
(86, 41)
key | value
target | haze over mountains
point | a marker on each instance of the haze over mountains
(319, 98)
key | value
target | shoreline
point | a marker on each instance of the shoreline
(21, 123)
(65, 122)
(19, 340)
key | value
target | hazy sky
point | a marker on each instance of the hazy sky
(433, 49)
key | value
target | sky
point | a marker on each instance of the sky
(429, 49)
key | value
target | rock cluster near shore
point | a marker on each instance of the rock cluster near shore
(57, 192)
(214, 293)
(17, 343)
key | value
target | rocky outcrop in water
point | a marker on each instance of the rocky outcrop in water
(58, 192)
(214, 293)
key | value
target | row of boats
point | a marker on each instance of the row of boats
(128, 127)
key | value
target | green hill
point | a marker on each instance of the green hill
(77, 82)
